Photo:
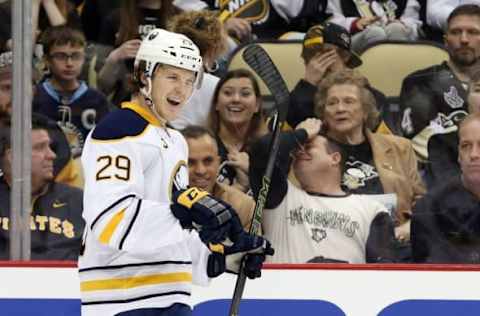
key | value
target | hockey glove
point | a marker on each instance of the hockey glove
(197, 209)
(249, 251)
(252, 259)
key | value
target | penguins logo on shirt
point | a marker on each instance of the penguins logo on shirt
(74, 135)
(318, 234)
(357, 174)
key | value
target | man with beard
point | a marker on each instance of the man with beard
(434, 99)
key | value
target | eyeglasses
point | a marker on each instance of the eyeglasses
(63, 57)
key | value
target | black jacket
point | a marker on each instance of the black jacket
(443, 157)
(56, 223)
(434, 93)
(446, 226)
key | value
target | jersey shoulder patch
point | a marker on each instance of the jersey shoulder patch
(119, 124)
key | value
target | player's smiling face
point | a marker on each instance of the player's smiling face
(171, 88)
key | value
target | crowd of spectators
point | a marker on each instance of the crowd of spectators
(348, 186)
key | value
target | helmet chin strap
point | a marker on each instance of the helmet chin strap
(147, 95)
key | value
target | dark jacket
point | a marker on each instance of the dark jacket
(433, 93)
(443, 157)
(88, 106)
(446, 225)
(56, 223)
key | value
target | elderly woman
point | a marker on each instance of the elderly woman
(236, 119)
(375, 163)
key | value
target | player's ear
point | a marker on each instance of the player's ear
(142, 79)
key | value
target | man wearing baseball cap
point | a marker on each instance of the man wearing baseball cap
(326, 49)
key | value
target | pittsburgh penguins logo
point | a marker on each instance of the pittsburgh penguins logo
(318, 234)
(357, 174)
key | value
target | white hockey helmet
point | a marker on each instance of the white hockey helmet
(163, 47)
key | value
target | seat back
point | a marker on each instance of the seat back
(386, 64)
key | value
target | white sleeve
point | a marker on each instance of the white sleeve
(411, 18)
(199, 253)
(114, 206)
(190, 5)
(334, 8)
(438, 12)
(287, 9)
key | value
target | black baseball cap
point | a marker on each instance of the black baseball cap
(333, 34)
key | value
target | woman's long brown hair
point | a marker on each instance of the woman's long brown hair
(257, 122)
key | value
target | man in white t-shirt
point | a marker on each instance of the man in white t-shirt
(318, 221)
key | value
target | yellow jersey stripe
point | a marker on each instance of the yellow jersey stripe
(107, 233)
(128, 283)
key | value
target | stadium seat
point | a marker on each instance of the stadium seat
(386, 64)
(285, 55)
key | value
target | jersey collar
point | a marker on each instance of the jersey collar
(143, 112)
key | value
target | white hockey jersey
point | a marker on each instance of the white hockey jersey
(136, 255)
(304, 226)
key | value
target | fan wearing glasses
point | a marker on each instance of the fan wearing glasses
(61, 95)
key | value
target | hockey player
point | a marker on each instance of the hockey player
(140, 254)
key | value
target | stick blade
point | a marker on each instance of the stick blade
(261, 63)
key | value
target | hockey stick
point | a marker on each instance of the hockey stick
(257, 58)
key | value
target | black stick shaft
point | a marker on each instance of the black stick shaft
(257, 215)
(259, 60)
